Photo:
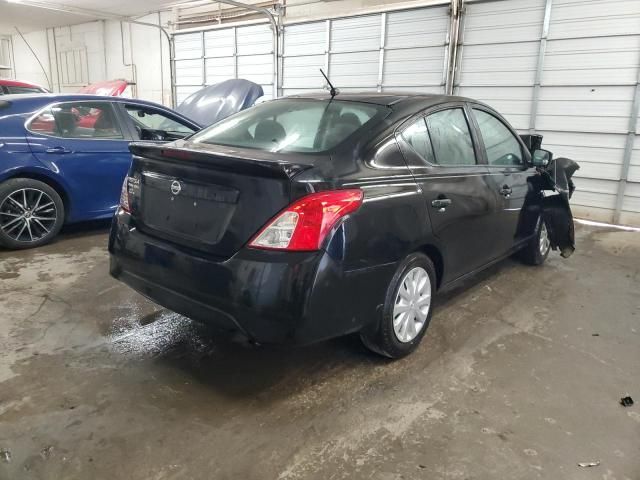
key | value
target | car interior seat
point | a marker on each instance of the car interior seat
(65, 122)
(104, 125)
(341, 128)
(269, 131)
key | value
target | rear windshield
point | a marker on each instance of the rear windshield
(292, 125)
(11, 90)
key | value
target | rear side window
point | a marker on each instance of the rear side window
(292, 125)
(20, 90)
(417, 137)
(502, 147)
(84, 120)
(450, 138)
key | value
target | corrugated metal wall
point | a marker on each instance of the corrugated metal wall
(565, 68)
(575, 85)
(498, 55)
(402, 50)
(208, 57)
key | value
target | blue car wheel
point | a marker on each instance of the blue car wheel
(31, 213)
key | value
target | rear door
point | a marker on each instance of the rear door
(85, 142)
(504, 154)
(441, 152)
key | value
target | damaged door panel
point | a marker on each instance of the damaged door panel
(556, 211)
(556, 187)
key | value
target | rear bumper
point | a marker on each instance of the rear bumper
(269, 297)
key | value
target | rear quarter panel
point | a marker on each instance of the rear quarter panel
(17, 159)
(393, 220)
(366, 248)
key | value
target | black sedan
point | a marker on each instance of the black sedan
(311, 217)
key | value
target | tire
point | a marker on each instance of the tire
(31, 213)
(537, 249)
(384, 338)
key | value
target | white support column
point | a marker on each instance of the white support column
(327, 47)
(540, 66)
(204, 60)
(454, 50)
(235, 52)
(383, 40)
(628, 149)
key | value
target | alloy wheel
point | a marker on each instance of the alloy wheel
(412, 305)
(27, 215)
(544, 243)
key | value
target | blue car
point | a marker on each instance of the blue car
(63, 158)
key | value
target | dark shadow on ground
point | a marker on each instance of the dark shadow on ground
(243, 371)
(70, 232)
(91, 227)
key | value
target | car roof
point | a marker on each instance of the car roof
(28, 103)
(403, 104)
(386, 98)
(71, 97)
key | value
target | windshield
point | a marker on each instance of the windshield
(292, 125)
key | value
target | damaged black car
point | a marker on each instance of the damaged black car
(310, 217)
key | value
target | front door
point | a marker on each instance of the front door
(504, 155)
(439, 149)
(154, 125)
(85, 142)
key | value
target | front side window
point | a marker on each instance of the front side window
(83, 120)
(292, 125)
(451, 138)
(417, 136)
(152, 124)
(501, 145)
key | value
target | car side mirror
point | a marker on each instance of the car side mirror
(541, 158)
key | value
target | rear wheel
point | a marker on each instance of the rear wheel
(31, 213)
(407, 309)
(537, 250)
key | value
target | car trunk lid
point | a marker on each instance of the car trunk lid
(209, 198)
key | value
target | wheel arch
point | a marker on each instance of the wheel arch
(434, 253)
(53, 183)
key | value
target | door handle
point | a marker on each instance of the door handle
(506, 191)
(441, 203)
(58, 150)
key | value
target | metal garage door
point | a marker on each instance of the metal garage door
(574, 81)
(498, 55)
(403, 50)
(568, 69)
(208, 57)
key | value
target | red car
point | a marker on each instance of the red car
(13, 87)
(109, 88)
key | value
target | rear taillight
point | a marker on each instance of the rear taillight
(129, 188)
(304, 224)
(124, 196)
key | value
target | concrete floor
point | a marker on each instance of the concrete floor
(510, 382)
